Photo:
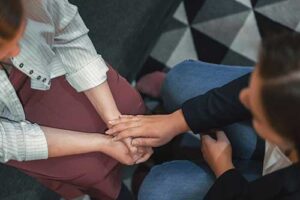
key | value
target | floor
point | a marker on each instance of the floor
(227, 32)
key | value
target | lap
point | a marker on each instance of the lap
(186, 180)
(63, 107)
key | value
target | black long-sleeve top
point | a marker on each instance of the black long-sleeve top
(220, 107)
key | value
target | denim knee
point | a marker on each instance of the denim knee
(172, 86)
(176, 180)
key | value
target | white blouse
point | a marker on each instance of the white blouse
(55, 43)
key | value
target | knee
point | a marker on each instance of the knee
(172, 86)
(176, 180)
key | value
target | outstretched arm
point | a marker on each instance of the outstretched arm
(214, 109)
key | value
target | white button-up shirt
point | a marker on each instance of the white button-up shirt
(55, 43)
(274, 159)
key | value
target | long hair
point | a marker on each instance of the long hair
(11, 16)
(279, 68)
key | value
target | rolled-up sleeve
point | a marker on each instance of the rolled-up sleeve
(84, 68)
(22, 141)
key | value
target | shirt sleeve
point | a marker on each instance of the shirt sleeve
(21, 141)
(84, 68)
(217, 108)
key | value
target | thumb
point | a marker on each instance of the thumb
(207, 140)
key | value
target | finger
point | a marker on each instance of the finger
(122, 126)
(132, 149)
(123, 119)
(145, 157)
(146, 142)
(221, 136)
(127, 116)
(132, 132)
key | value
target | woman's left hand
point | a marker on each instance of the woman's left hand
(217, 153)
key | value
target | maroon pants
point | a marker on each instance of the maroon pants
(62, 107)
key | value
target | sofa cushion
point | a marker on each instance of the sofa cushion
(124, 32)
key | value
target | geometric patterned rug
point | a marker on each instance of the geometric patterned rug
(221, 31)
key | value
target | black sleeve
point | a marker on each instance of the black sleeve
(233, 186)
(217, 108)
(228, 186)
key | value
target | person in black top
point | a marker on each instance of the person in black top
(273, 99)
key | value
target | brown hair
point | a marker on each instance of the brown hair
(11, 16)
(279, 68)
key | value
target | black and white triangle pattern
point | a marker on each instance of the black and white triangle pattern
(227, 32)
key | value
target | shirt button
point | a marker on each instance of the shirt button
(31, 72)
(39, 78)
(44, 80)
(21, 65)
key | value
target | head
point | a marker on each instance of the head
(273, 95)
(12, 25)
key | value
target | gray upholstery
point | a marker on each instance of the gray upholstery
(15, 185)
(125, 31)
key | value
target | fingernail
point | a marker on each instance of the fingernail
(108, 131)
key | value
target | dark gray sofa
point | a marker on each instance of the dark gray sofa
(125, 31)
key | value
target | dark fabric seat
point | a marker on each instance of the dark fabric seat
(15, 185)
(124, 32)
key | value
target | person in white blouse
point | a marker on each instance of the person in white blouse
(50, 127)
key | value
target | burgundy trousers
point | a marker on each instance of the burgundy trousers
(62, 107)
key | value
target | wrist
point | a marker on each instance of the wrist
(113, 115)
(104, 143)
(178, 122)
(222, 169)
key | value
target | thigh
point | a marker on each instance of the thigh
(246, 144)
(93, 173)
(177, 180)
(192, 78)
(186, 180)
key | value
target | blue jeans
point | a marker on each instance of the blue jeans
(179, 180)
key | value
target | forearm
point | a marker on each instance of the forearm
(103, 101)
(64, 142)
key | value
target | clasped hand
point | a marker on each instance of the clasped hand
(157, 130)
